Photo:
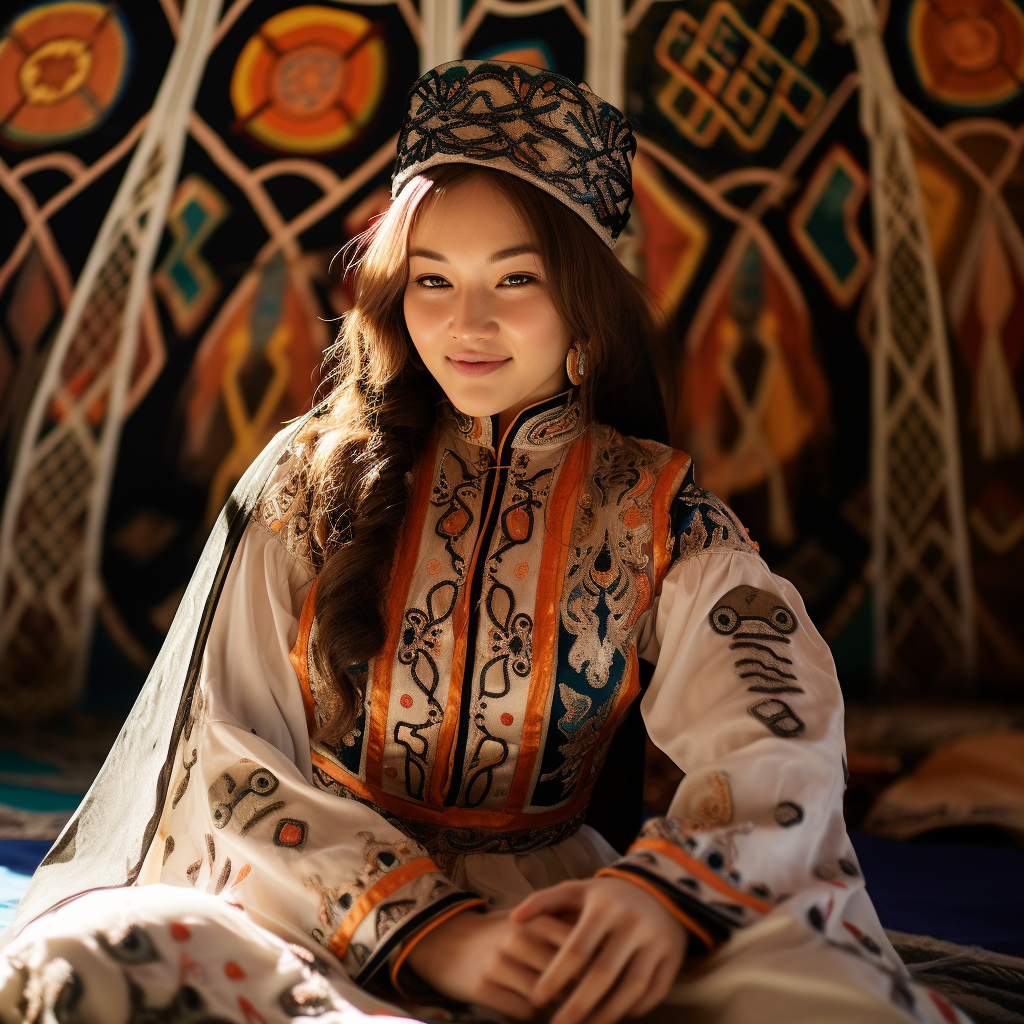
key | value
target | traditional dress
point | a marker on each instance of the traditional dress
(286, 876)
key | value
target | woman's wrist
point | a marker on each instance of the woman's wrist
(421, 951)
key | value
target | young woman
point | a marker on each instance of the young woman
(397, 694)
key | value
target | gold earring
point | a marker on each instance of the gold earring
(576, 365)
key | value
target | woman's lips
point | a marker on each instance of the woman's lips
(473, 366)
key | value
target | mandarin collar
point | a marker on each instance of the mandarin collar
(554, 422)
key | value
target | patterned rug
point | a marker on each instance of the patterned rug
(988, 986)
(44, 773)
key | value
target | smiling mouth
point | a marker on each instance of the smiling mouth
(473, 365)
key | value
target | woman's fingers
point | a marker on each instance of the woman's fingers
(536, 942)
(556, 899)
(628, 991)
(510, 1003)
(571, 959)
(512, 974)
(658, 987)
(599, 978)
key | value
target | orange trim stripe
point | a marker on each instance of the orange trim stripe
(669, 481)
(687, 921)
(410, 942)
(452, 817)
(701, 871)
(449, 731)
(299, 654)
(390, 883)
(398, 594)
(561, 512)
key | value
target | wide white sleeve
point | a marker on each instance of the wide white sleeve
(242, 817)
(745, 700)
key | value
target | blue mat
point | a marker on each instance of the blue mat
(18, 859)
(969, 895)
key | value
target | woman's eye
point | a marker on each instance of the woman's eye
(518, 280)
(432, 281)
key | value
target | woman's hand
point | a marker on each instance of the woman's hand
(489, 959)
(620, 958)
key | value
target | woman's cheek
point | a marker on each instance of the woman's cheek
(420, 319)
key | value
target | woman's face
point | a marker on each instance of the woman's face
(477, 304)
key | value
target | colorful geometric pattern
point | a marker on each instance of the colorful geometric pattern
(186, 282)
(824, 225)
(254, 369)
(755, 385)
(63, 67)
(672, 236)
(745, 203)
(310, 80)
(967, 54)
(535, 52)
(43, 584)
(923, 604)
(969, 167)
(725, 74)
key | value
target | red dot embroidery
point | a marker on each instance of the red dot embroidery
(507, 719)
(180, 932)
(233, 971)
(406, 701)
(290, 835)
(391, 772)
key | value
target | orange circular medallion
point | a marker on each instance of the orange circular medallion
(968, 54)
(310, 79)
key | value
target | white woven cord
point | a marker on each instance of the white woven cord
(924, 605)
(56, 504)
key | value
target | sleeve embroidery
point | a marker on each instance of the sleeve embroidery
(693, 876)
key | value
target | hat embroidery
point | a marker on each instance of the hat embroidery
(530, 122)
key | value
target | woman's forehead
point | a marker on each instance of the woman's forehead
(473, 213)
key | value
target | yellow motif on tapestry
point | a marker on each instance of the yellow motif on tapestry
(724, 74)
(255, 368)
(753, 388)
(673, 236)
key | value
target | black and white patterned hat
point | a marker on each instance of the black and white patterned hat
(533, 123)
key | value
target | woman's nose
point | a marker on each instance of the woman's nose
(472, 316)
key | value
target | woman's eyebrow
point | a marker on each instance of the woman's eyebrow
(515, 250)
(428, 254)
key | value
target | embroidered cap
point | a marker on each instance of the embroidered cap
(533, 123)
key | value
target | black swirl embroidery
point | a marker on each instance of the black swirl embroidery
(422, 630)
(456, 500)
(495, 112)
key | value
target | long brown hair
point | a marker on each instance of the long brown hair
(382, 404)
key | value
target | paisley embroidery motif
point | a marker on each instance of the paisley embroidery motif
(557, 426)
(607, 583)
(700, 522)
(581, 730)
(529, 494)
(283, 507)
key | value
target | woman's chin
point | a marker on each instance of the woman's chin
(477, 405)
